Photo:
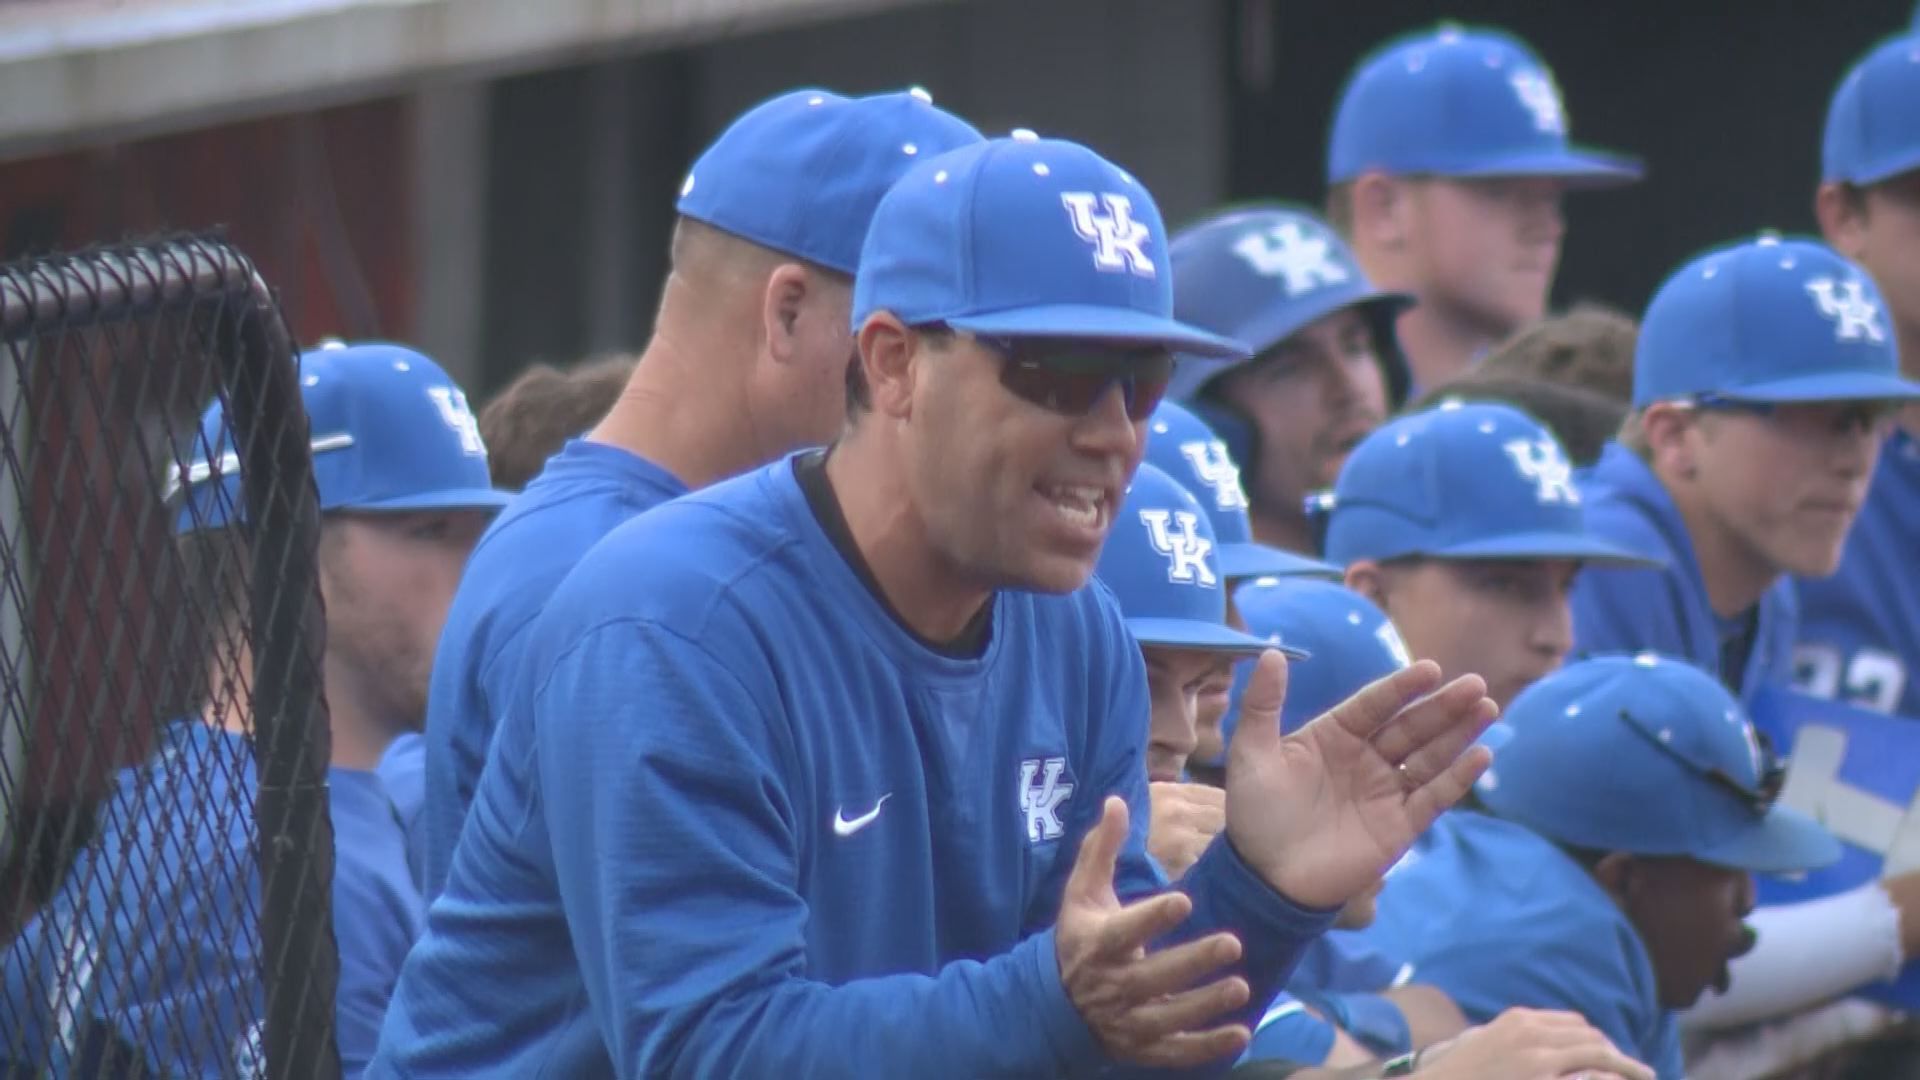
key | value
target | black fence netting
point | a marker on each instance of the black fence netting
(165, 851)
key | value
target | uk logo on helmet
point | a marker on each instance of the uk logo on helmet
(1306, 262)
(1845, 304)
(1540, 462)
(1176, 534)
(1215, 468)
(1119, 242)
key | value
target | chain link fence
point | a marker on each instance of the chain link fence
(165, 850)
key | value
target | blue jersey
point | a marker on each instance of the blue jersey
(1499, 917)
(583, 493)
(403, 769)
(740, 822)
(151, 953)
(1666, 610)
(1859, 638)
(1343, 976)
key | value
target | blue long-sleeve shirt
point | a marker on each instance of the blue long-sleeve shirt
(1498, 917)
(584, 491)
(1666, 610)
(150, 952)
(741, 822)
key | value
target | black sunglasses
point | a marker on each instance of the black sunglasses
(1071, 377)
(1758, 799)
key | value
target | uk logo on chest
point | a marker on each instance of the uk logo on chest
(1045, 787)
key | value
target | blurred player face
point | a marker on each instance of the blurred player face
(1311, 398)
(1016, 483)
(1778, 491)
(1688, 914)
(1879, 227)
(1506, 620)
(387, 580)
(1175, 679)
(1485, 251)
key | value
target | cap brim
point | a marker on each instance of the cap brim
(1885, 169)
(1784, 842)
(1090, 322)
(1205, 637)
(1550, 545)
(1828, 386)
(454, 499)
(1269, 329)
(1245, 560)
(1577, 166)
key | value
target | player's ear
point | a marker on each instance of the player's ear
(1616, 871)
(1380, 210)
(1369, 579)
(1841, 209)
(888, 350)
(1666, 428)
(788, 289)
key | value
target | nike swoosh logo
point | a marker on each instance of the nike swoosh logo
(844, 826)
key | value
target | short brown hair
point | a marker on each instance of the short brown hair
(1590, 347)
(532, 418)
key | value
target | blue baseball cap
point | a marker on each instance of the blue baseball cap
(1181, 445)
(1261, 274)
(1873, 123)
(1768, 320)
(390, 431)
(1685, 773)
(801, 173)
(1464, 103)
(1026, 237)
(1161, 564)
(1460, 481)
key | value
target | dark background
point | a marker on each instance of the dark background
(1723, 101)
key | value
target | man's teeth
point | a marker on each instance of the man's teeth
(1080, 505)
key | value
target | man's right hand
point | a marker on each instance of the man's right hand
(1144, 1008)
(1530, 1044)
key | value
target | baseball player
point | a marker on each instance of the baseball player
(1183, 446)
(1764, 384)
(1464, 525)
(1162, 561)
(1327, 367)
(1346, 1001)
(830, 769)
(1445, 169)
(748, 361)
(1859, 636)
(148, 962)
(1614, 892)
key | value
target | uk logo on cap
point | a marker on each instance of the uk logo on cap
(1540, 97)
(1854, 315)
(1286, 251)
(1542, 462)
(1176, 535)
(1119, 242)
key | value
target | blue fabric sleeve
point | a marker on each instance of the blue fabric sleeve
(1375, 1021)
(674, 849)
(1288, 1032)
(1618, 611)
